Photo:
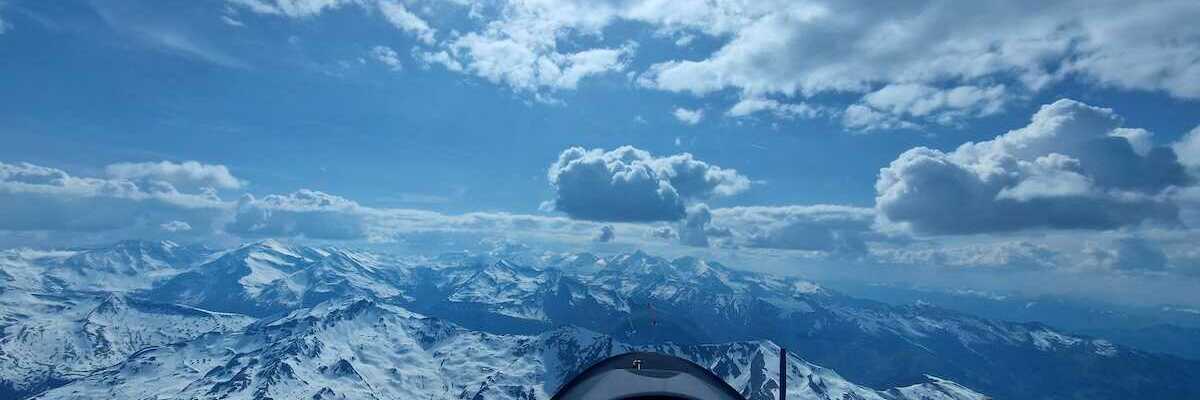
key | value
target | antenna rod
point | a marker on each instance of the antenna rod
(782, 373)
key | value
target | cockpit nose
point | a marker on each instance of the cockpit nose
(646, 376)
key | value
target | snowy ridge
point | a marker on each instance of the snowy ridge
(271, 320)
(98, 333)
(360, 348)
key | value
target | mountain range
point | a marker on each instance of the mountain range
(264, 320)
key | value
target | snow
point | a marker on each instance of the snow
(347, 329)
(1048, 340)
(1104, 348)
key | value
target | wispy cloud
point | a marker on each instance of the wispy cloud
(158, 32)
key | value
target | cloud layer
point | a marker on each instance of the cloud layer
(35, 198)
(188, 174)
(903, 66)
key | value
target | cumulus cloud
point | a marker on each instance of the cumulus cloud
(530, 46)
(386, 56)
(1066, 169)
(630, 185)
(527, 65)
(188, 174)
(36, 198)
(1188, 149)
(606, 234)
(689, 117)
(693, 230)
(304, 213)
(1141, 139)
(753, 105)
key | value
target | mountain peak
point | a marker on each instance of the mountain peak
(270, 244)
(273, 250)
(145, 244)
(132, 257)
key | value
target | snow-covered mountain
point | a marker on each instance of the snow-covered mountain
(360, 348)
(269, 277)
(94, 333)
(337, 322)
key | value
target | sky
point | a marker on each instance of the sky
(1017, 146)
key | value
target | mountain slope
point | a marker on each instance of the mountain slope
(96, 333)
(268, 277)
(639, 298)
(363, 349)
(636, 299)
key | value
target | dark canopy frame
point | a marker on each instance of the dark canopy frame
(646, 376)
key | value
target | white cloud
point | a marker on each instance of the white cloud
(228, 20)
(997, 255)
(1188, 149)
(909, 64)
(1066, 169)
(166, 33)
(442, 58)
(924, 102)
(806, 48)
(1140, 139)
(663, 232)
(402, 19)
(185, 175)
(693, 230)
(920, 100)
(317, 215)
(863, 118)
(291, 8)
(304, 213)
(628, 184)
(826, 228)
(752, 105)
(35, 198)
(394, 12)
(386, 56)
(689, 117)
(40, 199)
(526, 64)
(175, 226)
(816, 229)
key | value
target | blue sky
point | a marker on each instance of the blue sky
(400, 123)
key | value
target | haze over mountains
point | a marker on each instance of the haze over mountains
(269, 320)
